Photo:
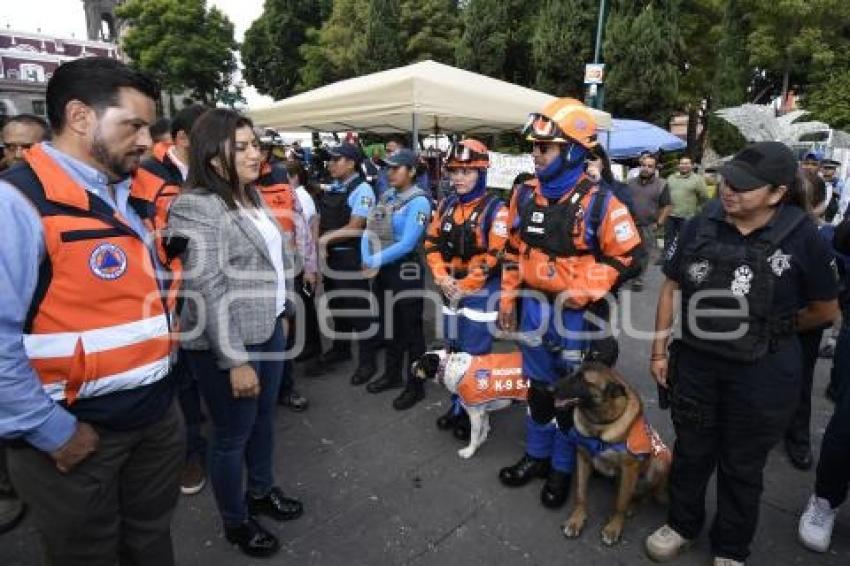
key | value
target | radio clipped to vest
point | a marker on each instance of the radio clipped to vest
(553, 229)
(728, 290)
(466, 239)
(379, 223)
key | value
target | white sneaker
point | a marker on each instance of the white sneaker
(666, 544)
(816, 524)
(726, 562)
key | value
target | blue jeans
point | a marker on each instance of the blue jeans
(243, 429)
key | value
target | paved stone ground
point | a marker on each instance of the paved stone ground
(385, 488)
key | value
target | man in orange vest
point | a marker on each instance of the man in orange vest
(86, 326)
(570, 245)
(158, 181)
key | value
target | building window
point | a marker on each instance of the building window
(32, 72)
(60, 45)
(39, 107)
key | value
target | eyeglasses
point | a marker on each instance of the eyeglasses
(542, 127)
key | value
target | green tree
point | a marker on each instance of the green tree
(496, 39)
(830, 101)
(561, 43)
(270, 52)
(359, 37)
(641, 57)
(182, 43)
(431, 29)
(794, 38)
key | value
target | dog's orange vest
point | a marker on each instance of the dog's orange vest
(99, 322)
(491, 377)
(643, 440)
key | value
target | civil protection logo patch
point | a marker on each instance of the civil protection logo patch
(108, 261)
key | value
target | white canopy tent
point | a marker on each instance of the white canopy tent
(425, 97)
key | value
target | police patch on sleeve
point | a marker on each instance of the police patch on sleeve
(623, 232)
(366, 201)
(108, 261)
(421, 218)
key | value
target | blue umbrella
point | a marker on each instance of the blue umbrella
(628, 138)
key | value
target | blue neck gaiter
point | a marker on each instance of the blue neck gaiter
(560, 176)
(478, 190)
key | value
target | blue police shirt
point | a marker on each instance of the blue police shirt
(409, 223)
(26, 411)
(805, 266)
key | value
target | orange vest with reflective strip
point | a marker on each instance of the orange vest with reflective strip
(152, 183)
(279, 197)
(491, 377)
(98, 322)
(644, 440)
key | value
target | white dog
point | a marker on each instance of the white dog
(482, 383)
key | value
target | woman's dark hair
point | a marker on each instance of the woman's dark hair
(810, 189)
(94, 81)
(605, 172)
(521, 179)
(296, 168)
(214, 135)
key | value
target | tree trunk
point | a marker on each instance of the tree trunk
(786, 77)
(693, 122)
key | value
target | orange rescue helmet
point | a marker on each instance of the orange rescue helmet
(469, 153)
(563, 120)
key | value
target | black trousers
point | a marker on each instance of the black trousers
(306, 321)
(727, 416)
(799, 433)
(353, 301)
(115, 507)
(401, 286)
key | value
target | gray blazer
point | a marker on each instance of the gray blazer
(229, 281)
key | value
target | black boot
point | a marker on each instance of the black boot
(253, 539)
(448, 420)
(411, 395)
(275, 505)
(392, 378)
(364, 372)
(556, 490)
(524, 471)
(463, 428)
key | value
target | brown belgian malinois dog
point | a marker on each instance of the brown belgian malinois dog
(612, 437)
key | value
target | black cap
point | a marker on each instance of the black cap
(347, 150)
(763, 163)
(830, 163)
(401, 158)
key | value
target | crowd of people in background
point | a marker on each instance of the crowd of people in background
(121, 231)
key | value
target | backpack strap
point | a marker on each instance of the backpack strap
(598, 206)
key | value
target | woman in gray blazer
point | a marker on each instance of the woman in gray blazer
(233, 325)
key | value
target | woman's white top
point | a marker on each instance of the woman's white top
(274, 242)
(308, 207)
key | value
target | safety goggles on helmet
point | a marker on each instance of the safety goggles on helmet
(466, 154)
(541, 128)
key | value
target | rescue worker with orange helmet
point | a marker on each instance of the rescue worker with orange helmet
(570, 241)
(463, 248)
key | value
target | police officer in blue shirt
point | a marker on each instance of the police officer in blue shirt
(734, 378)
(390, 245)
(343, 210)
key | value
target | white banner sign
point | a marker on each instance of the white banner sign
(504, 168)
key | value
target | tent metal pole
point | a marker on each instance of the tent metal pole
(414, 134)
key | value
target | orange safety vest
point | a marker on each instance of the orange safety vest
(279, 197)
(98, 322)
(157, 182)
(491, 377)
(644, 440)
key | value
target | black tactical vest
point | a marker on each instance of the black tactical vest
(334, 212)
(553, 228)
(729, 289)
(460, 239)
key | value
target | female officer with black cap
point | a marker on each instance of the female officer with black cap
(734, 377)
